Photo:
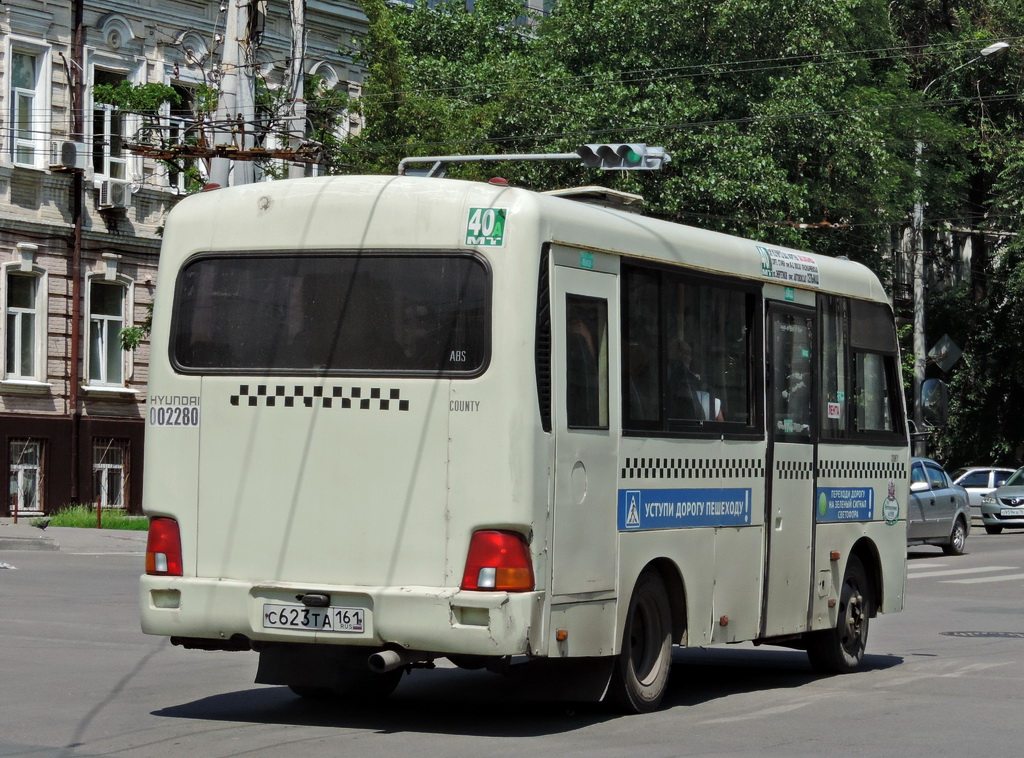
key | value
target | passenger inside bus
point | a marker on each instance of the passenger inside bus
(687, 399)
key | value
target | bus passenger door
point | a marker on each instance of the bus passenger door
(585, 413)
(789, 502)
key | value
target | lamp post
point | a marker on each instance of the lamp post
(919, 280)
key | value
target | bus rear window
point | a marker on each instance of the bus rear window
(368, 313)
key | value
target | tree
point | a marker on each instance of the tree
(775, 129)
(784, 123)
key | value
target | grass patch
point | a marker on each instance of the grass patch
(84, 517)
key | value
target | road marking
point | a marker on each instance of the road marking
(957, 572)
(979, 580)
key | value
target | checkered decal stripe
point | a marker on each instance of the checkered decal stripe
(692, 468)
(298, 396)
(794, 469)
(861, 470)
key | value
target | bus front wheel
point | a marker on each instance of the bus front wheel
(640, 675)
(841, 650)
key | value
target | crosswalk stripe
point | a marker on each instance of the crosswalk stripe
(957, 572)
(980, 579)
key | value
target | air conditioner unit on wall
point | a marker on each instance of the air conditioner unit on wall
(66, 155)
(113, 193)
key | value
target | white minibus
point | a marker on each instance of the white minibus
(393, 420)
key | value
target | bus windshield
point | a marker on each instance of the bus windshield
(332, 314)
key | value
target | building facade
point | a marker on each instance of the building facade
(81, 209)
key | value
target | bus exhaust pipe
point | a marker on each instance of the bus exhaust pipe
(389, 660)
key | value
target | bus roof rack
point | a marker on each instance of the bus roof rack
(608, 198)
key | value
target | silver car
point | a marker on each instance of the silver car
(980, 481)
(1004, 508)
(939, 512)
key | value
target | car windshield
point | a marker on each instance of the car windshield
(1016, 479)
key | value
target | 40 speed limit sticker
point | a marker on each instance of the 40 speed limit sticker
(177, 411)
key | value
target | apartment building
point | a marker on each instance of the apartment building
(81, 208)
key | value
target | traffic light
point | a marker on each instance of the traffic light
(623, 156)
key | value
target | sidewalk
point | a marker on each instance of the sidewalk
(24, 536)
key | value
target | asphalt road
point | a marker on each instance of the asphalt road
(77, 678)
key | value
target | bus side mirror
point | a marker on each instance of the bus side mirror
(934, 402)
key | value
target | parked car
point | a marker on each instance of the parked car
(980, 481)
(1004, 508)
(939, 511)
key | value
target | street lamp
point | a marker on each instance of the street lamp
(919, 281)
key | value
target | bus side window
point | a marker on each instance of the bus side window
(586, 362)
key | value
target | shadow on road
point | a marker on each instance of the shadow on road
(478, 703)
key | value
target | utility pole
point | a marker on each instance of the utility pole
(920, 346)
(77, 73)
(235, 117)
(296, 103)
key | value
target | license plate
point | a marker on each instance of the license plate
(1011, 512)
(330, 619)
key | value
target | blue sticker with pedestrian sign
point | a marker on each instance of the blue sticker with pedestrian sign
(684, 508)
(845, 504)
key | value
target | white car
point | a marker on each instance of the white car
(980, 481)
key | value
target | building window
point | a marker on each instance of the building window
(183, 174)
(106, 320)
(26, 486)
(27, 106)
(109, 158)
(109, 473)
(22, 324)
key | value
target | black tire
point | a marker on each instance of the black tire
(957, 539)
(640, 675)
(841, 650)
(989, 528)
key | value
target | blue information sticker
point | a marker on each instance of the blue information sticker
(845, 504)
(684, 508)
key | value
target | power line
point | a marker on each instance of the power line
(760, 65)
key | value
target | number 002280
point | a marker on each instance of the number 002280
(174, 415)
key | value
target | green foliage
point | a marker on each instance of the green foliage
(83, 516)
(136, 98)
(772, 126)
(132, 336)
(785, 123)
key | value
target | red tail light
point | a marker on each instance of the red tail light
(498, 561)
(163, 548)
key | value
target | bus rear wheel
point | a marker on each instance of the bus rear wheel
(841, 650)
(640, 675)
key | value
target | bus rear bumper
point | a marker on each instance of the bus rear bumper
(438, 620)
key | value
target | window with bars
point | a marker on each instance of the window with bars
(109, 470)
(26, 475)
